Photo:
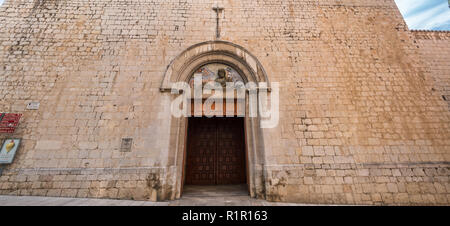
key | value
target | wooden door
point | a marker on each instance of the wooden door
(215, 151)
(230, 151)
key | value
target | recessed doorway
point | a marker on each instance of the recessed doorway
(216, 154)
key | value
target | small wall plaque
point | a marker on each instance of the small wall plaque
(126, 144)
(9, 122)
(33, 106)
(8, 150)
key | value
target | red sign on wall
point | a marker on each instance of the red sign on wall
(9, 122)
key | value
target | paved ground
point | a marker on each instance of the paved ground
(192, 196)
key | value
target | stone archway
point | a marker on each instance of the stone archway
(180, 70)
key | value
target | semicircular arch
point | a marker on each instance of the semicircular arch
(184, 65)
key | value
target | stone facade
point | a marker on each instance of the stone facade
(363, 116)
(435, 52)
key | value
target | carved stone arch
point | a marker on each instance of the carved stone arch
(182, 67)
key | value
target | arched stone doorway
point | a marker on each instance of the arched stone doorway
(215, 151)
(182, 69)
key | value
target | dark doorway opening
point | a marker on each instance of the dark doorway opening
(216, 153)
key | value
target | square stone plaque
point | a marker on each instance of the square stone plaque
(33, 106)
(126, 144)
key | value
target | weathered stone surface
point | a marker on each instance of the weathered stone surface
(364, 101)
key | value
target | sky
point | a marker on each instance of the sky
(422, 14)
(425, 14)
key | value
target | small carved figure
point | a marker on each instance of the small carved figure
(222, 77)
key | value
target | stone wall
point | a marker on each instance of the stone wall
(360, 121)
(434, 47)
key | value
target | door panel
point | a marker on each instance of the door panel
(216, 151)
(201, 155)
(230, 149)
